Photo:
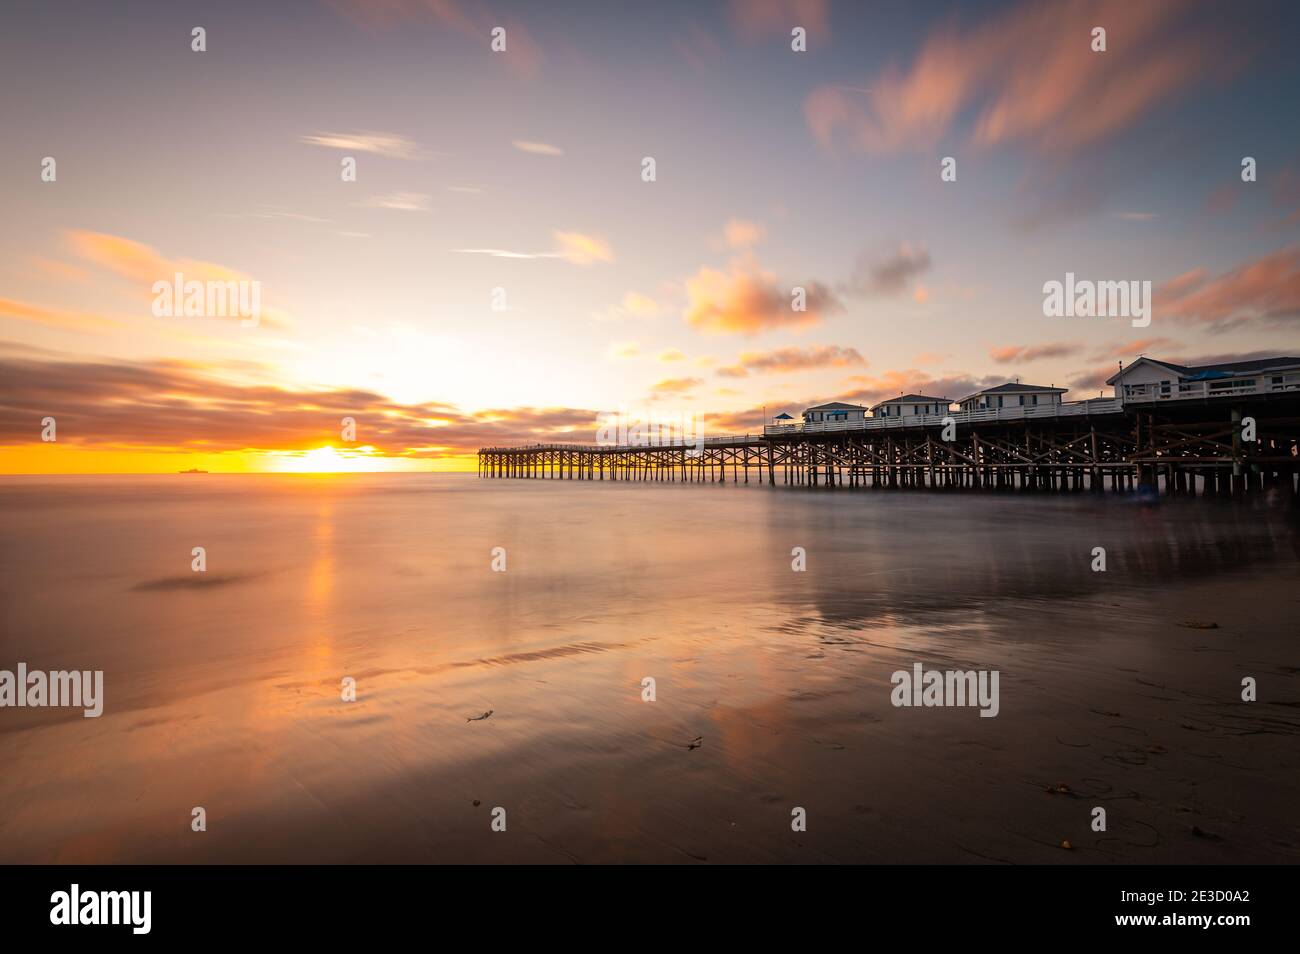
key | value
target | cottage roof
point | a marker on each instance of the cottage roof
(837, 406)
(915, 399)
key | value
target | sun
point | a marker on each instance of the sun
(329, 460)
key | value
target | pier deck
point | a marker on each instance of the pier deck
(1181, 445)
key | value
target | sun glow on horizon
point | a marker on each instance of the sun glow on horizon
(330, 460)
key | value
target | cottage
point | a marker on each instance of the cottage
(1012, 395)
(835, 412)
(1148, 379)
(908, 405)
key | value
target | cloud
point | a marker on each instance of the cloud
(641, 306)
(582, 249)
(755, 19)
(574, 247)
(1094, 380)
(388, 145)
(869, 390)
(1127, 349)
(788, 360)
(65, 272)
(674, 386)
(624, 349)
(142, 265)
(875, 388)
(1026, 353)
(741, 233)
(632, 305)
(1267, 288)
(187, 407)
(537, 148)
(502, 253)
(746, 300)
(399, 201)
(56, 317)
(1027, 75)
(670, 356)
(271, 212)
(699, 49)
(891, 275)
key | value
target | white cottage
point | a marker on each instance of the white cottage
(833, 413)
(909, 405)
(1012, 395)
(1148, 379)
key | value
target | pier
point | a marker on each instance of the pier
(1176, 444)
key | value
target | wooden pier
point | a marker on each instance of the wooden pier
(1175, 447)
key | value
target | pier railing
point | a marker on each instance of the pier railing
(1213, 388)
(1074, 409)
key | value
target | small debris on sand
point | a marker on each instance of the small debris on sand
(1066, 845)
(696, 742)
(1198, 624)
(480, 718)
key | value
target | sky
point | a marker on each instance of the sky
(502, 269)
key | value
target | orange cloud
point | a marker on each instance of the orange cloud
(583, 249)
(181, 407)
(788, 360)
(642, 306)
(741, 233)
(63, 271)
(1025, 353)
(1031, 76)
(1127, 349)
(745, 300)
(537, 148)
(670, 386)
(142, 265)
(872, 389)
(1266, 288)
(388, 145)
(55, 317)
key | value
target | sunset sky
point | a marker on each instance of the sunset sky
(522, 170)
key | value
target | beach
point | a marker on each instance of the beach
(223, 690)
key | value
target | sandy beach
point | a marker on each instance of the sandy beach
(224, 694)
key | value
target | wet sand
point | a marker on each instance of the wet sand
(225, 694)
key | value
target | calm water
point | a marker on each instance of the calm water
(223, 689)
